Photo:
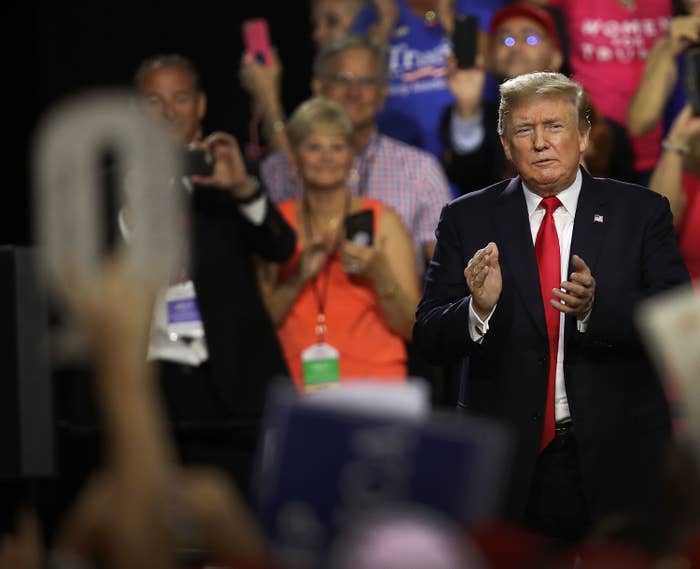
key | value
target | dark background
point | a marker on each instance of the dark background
(61, 49)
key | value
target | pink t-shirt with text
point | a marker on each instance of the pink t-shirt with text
(609, 45)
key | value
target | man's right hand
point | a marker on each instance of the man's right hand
(466, 85)
(483, 276)
(229, 167)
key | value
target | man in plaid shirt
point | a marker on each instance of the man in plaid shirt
(353, 71)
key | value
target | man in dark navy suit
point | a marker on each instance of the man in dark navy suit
(537, 280)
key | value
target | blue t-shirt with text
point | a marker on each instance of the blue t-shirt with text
(418, 91)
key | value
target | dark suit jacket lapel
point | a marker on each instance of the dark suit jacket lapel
(517, 252)
(590, 226)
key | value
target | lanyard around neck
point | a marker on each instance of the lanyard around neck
(322, 294)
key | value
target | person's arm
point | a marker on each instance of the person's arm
(667, 178)
(653, 91)
(472, 158)
(660, 75)
(466, 130)
(140, 507)
(478, 166)
(387, 12)
(272, 239)
(263, 85)
(445, 13)
(115, 308)
(390, 265)
(279, 297)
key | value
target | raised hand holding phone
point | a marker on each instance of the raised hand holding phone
(256, 39)
(465, 40)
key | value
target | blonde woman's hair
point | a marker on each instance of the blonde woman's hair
(318, 115)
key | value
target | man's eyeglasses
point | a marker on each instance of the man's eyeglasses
(530, 38)
(348, 79)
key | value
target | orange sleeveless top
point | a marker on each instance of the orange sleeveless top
(368, 348)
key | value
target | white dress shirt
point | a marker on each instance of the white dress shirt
(564, 221)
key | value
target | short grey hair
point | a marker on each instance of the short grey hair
(318, 114)
(167, 60)
(351, 41)
(542, 84)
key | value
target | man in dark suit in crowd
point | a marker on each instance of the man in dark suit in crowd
(549, 329)
(217, 360)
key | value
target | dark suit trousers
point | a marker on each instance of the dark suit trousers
(203, 431)
(556, 505)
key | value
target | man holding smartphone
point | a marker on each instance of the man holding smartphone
(212, 339)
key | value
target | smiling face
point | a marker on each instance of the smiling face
(324, 159)
(353, 79)
(543, 141)
(169, 94)
(521, 45)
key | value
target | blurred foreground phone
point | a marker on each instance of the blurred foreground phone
(465, 40)
(198, 162)
(692, 77)
(256, 39)
(359, 227)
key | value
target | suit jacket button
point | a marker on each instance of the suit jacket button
(536, 416)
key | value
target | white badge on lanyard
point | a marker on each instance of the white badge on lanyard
(182, 311)
(321, 366)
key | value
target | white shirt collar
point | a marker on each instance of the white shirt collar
(568, 196)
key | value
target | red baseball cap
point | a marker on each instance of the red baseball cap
(524, 10)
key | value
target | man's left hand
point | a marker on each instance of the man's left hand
(229, 168)
(577, 295)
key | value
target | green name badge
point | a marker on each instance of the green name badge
(320, 366)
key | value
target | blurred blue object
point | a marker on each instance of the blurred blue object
(324, 467)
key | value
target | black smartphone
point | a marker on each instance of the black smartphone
(198, 162)
(359, 227)
(691, 79)
(465, 40)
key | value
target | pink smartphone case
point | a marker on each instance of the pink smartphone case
(256, 38)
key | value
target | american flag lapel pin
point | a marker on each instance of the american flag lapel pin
(597, 218)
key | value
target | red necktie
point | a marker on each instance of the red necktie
(549, 266)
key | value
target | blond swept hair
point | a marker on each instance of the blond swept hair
(541, 84)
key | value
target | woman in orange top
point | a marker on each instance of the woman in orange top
(356, 301)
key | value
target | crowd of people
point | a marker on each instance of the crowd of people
(535, 211)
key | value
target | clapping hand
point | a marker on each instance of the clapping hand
(483, 276)
(578, 294)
